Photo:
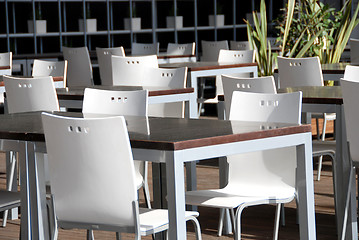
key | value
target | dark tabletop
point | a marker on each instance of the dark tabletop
(161, 133)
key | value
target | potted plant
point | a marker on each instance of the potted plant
(257, 38)
(40, 24)
(174, 21)
(91, 23)
(132, 22)
(218, 18)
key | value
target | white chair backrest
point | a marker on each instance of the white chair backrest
(5, 63)
(30, 94)
(239, 45)
(266, 107)
(85, 155)
(210, 49)
(271, 169)
(257, 85)
(104, 62)
(79, 72)
(50, 68)
(350, 90)
(164, 77)
(354, 50)
(132, 103)
(237, 56)
(174, 49)
(138, 49)
(234, 56)
(351, 73)
(130, 70)
(299, 72)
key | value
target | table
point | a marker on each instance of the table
(172, 141)
(163, 58)
(207, 69)
(72, 97)
(329, 100)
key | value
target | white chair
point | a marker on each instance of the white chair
(130, 70)
(93, 178)
(79, 71)
(257, 85)
(261, 177)
(130, 103)
(174, 49)
(354, 51)
(167, 78)
(239, 45)
(350, 90)
(140, 49)
(210, 50)
(298, 72)
(104, 62)
(351, 73)
(5, 63)
(233, 56)
(30, 94)
(5, 69)
(58, 70)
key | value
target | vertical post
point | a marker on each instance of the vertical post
(7, 26)
(234, 21)
(60, 23)
(14, 24)
(108, 23)
(34, 20)
(85, 18)
(175, 15)
(154, 21)
(195, 27)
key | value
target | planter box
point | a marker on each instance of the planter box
(172, 21)
(40, 26)
(136, 24)
(91, 25)
(219, 20)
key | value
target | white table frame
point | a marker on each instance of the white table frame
(341, 169)
(32, 175)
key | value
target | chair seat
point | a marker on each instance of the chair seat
(324, 148)
(9, 199)
(226, 198)
(156, 220)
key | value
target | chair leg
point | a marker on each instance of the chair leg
(233, 220)
(118, 236)
(90, 235)
(317, 125)
(220, 222)
(237, 236)
(320, 163)
(347, 204)
(324, 128)
(197, 228)
(276, 221)
(9, 184)
(146, 192)
(282, 215)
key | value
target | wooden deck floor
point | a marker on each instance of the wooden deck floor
(257, 222)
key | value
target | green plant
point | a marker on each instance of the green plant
(310, 28)
(257, 38)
